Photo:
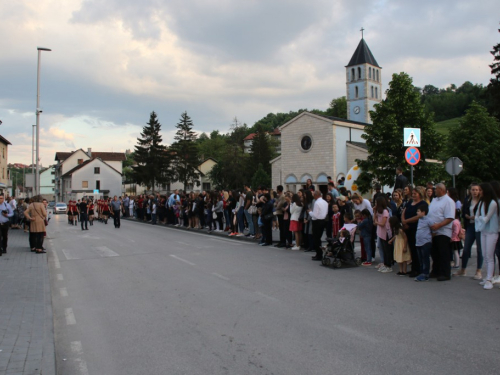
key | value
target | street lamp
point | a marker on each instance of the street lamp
(38, 111)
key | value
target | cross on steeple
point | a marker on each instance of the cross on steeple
(362, 32)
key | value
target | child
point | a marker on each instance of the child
(349, 226)
(335, 220)
(365, 232)
(401, 254)
(153, 213)
(456, 242)
(342, 235)
(423, 242)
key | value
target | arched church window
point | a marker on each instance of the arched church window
(376, 92)
(352, 74)
(357, 92)
(377, 77)
(372, 93)
(359, 73)
(370, 72)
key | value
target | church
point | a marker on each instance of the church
(315, 147)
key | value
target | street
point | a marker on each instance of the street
(147, 299)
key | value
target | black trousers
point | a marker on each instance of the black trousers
(388, 253)
(116, 217)
(4, 233)
(267, 231)
(281, 223)
(84, 219)
(440, 255)
(36, 240)
(318, 226)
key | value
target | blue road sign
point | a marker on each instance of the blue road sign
(412, 155)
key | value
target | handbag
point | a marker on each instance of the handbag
(269, 216)
(252, 210)
(479, 222)
(214, 215)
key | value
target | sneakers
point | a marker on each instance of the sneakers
(422, 277)
(478, 275)
(488, 285)
(386, 270)
(460, 272)
(239, 234)
(366, 264)
(295, 248)
(381, 268)
(482, 282)
(496, 280)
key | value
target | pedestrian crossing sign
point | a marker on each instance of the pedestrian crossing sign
(411, 137)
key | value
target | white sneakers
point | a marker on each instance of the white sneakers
(488, 285)
(386, 270)
(295, 248)
(496, 280)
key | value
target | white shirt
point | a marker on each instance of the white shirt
(320, 209)
(364, 204)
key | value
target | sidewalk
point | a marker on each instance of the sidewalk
(26, 325)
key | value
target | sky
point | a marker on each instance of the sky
(113, 62)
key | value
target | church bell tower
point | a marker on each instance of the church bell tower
(363, 82)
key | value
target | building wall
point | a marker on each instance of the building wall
(354, 153)
(277, 177)
(47, 182)
(4, 160)
(109, 179)
(72, 161)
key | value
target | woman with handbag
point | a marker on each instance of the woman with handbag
(37, 216)
(486, 220)
(267, 220)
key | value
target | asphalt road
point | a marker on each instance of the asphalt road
(153, 300)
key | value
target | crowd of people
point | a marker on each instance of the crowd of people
(427, 231)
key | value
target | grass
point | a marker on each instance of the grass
(446, 126)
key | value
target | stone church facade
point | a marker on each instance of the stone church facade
(314, 146)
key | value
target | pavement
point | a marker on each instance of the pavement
(26, 325)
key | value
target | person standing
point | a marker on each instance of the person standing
(116, 207)
(401, 180)
(37, 215)
(83, 210)
(126, 203)
(318, 216)
(280, 205)
(249, 201)
(7, 213)
(441, 214)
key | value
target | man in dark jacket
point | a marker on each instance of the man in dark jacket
(401, 180)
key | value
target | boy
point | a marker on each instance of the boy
(424, 242)
(335, 219)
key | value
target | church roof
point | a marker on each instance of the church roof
(363, 55)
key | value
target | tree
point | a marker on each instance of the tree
(128, 171)
(152, 158)
(212, 147)
(260, 178)
(476, 142)
(493, 89)
(185, 152)
(231, 171)
(338, 108)
(384, 138)
(262, 151)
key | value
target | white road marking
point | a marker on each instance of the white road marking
(70, 317)
(106, 252)
(185, 244)
(266, 296)
(233, 242)
(220, 276)
(76, 348)
(64, 292)
(182, 260)
(57, 264)
(358, 334)
(67, 254)
(60, 277)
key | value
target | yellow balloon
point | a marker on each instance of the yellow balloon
(349, 177)
(356, 168)
(354, 187)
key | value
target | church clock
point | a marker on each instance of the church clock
(357, 109)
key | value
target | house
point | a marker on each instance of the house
(275, 135)
(47, 183)
(4, 173)
(79, 173)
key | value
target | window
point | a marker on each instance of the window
(359, 73)
(80, 161)
(3, 152)
(352, 74)
(377, 77)
(357, 92)
(53, 181)
(98, 185)
(206, 186)
(85, 184)
(369, 72)
(97, 170)
(376, 92)
(372, 93)
(3, 172)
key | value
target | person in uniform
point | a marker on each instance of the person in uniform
(91, 212)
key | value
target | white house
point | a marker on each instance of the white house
(47, 183)
(70, 162)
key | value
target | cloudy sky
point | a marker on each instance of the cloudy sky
(115, 61)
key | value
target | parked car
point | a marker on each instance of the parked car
(60, 208)
(52, 204)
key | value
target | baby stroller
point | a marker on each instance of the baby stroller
(337, 252)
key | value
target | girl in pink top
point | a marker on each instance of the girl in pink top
(381, 221)
(456, 242)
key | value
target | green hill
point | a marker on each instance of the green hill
(444, 127)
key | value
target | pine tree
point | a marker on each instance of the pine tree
(151, 156)
(260, 178)
(384, 138)
(262, 151)
(186, 156)
(493, 88)
(476, 142)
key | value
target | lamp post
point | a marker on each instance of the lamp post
(38, 111)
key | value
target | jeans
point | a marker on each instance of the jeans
(153, 219)
(241, 222)
(424, 253)
(250, 223)
(470, 236)
(388, 252)
(368, 248)
(380, 249)
(488, 245)
(227, 217)
(83, 219)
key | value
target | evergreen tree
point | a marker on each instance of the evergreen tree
(260, 178)
(262, 151)
(186, 156)
(384, 138)
(493, 89)
(151, 156)
(476, 143)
